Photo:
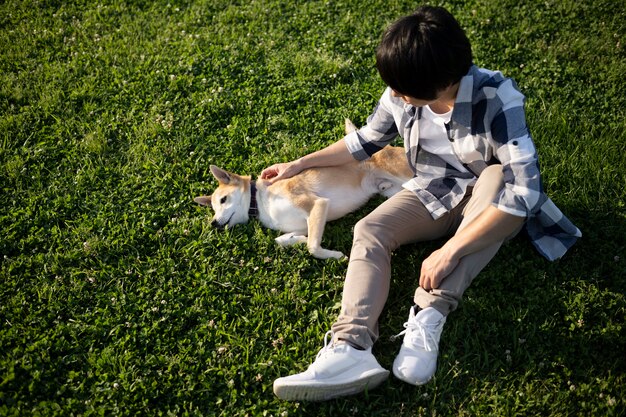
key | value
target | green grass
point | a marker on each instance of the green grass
(118, 298)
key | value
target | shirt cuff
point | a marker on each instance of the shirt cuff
(354, 146)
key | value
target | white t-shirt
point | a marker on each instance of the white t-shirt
(433, 136)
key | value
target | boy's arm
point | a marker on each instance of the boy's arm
(491, 226)
(379, 131)
(519, 197)
(332, 155)
(522, 194)
(376, 134)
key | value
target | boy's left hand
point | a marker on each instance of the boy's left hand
(436, 267)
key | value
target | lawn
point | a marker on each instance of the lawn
(118, 298)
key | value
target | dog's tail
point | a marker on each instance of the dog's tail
(350, 127)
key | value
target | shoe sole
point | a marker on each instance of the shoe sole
(307, 391)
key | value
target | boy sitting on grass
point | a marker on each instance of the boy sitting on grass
(476, 182)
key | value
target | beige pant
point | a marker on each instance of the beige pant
(400, 220)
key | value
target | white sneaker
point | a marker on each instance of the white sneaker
(417, 361)
(338, 370)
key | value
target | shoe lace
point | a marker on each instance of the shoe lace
(424, 334)
(327, 346)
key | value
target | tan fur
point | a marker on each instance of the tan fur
(301, 205)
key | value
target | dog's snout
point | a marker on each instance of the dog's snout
(221, 225)
(218, 225)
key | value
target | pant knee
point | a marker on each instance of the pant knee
(492, 175)
(371, 237)
(361, 228)
(369, 230)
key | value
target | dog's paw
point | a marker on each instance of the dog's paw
(321, 253)
(290, 239)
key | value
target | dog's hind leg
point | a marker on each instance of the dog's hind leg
(317, 222)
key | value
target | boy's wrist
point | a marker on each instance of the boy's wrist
(454, 247)
(300, 163)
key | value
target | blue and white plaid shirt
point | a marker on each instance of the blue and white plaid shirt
(487, 126)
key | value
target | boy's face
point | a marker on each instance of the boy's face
(444, 100)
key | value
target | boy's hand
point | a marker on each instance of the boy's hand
(490, 227)
(270, 172)
(436, 267)
(281, 171)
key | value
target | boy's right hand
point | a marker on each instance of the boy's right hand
(281, 171)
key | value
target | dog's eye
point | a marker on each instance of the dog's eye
(223, 200)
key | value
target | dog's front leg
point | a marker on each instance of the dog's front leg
(316, 223)
(289, 239)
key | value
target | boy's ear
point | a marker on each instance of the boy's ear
(203, 200)
(221, 175)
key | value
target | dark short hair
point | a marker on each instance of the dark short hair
(423, 53)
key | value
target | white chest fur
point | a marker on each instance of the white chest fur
(281, 214)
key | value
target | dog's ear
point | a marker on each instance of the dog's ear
(203, 200)
(222, 176)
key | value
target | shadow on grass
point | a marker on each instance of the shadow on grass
(531, 336)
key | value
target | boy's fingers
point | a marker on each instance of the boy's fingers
(275, 178)
(268, 173)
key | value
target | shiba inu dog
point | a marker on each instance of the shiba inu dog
(301, 205)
